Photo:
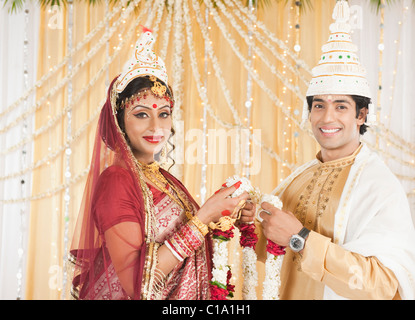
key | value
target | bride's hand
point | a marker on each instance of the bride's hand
(219, 205)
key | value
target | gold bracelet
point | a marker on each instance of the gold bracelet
(199, 224)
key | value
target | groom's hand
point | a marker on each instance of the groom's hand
(279, 225)
(247, 213)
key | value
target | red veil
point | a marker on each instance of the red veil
(89, 257)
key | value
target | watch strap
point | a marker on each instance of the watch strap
(304, 232)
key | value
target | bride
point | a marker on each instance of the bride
(140, 234)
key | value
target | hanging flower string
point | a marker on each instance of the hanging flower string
(275, 256)
(272, 282)
(220, 287)
(222, 232)
(248, 241)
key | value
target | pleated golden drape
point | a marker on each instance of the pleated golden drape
(71, 98)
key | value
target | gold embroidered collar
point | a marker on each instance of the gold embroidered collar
(339, 163)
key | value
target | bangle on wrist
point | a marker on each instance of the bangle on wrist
(173, 250)
(185, 241)
(199, 224)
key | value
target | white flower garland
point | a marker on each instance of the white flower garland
(272, 281)
(202, 89)
(246, 185)
(250, 273)
(273, 263)
(220, 261)
(249, 257)
(247, 65)
(258, 52)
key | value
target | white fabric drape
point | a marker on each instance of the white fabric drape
(394, 71)
(18, 61)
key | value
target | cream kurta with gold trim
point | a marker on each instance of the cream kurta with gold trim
(318, 191)
(314, 197)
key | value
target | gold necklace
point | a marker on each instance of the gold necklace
(152, 173)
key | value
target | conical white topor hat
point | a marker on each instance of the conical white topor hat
(339, 70)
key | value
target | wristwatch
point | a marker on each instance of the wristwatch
(297, 241)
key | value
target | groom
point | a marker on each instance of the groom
(346, 221)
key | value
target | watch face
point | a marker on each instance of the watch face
(296, 243)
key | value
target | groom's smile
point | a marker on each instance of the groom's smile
(329, 131)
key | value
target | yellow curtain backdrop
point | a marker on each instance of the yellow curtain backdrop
(101, 38)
